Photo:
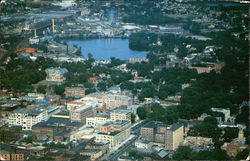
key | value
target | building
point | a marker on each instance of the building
(75, 104)
(236, 145)
(96, 120)
(114, 132)
(12, 133)
(26, 118)
(93, 153)
(202, 69)
(225, 111)
(113, 138)
(49, 129)
(76, 92)
(114, 100)
(143, 144)
(198, 142)
(104, 147)
(171, 136)
(94, 79)
(118, 125)
(137, 60)
(148, 131)
(8, 108)
(5, 155)
(174, 136)
(80, 114)
(56, 74)
(120, 115)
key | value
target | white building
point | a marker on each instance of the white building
(143, 144)
(225, 111)
(26, 118)
(113, 138)
(97, 120)
(56, 74)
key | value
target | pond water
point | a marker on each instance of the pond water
(103, 49)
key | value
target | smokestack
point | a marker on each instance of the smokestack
(53, 25)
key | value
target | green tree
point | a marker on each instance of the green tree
(132, 118)
(135, 155)
(230, 133)
(243, 154)
(102, 86)
(59, 89)
(183, 153)
(142, 113)
(41, 89)
(28, 139)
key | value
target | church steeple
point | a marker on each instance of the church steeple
(241, 133)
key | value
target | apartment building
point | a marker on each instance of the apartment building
(81, 113)
(114, 132)
(174, 136)
(120, 115)
(148, 131)
(170, 136)
(26, 118)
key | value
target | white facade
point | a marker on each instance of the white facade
(26, 118)
(114, 138)
(96, 121)
(143, 144)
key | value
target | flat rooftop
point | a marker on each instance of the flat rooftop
(109, 133)
(120, 112)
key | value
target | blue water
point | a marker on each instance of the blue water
(103, 49)
(226, 4)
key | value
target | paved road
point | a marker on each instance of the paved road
(135, 131)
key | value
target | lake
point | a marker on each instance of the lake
(103, 49)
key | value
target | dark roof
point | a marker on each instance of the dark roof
(58, 120)
(63, 113)
(126, 157)
(6, 147)
(175, 126)
(76, 124)
(153, 124)
(43, 124)
(63, 133)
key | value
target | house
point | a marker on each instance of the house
(56, 74)
(236, 145)
(94, 79)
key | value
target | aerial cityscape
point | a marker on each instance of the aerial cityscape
(124, 80)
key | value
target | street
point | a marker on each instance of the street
(135, 131)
